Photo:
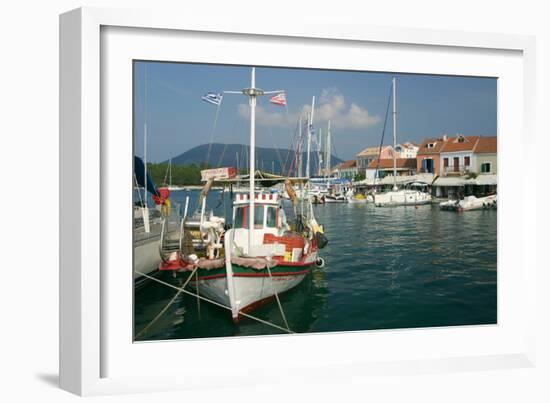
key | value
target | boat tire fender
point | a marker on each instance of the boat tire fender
(320, 262)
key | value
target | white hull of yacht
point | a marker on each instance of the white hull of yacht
(402, 198)
(146, 256)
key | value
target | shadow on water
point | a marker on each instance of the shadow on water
(385, 268)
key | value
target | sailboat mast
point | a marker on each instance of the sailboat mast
(328, 150)
(394, 137)
(299, 153)
(320, 153)
(252, 100)
(145, 141)
(309, 135)
(170, 166)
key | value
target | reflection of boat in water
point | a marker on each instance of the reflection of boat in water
(470, 203)
(302, 306)
(263, 255)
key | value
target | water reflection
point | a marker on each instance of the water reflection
(385, 268)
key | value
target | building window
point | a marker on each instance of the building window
(485, 167)
(445, 162)
(467, 161)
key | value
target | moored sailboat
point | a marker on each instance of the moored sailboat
(399, 197)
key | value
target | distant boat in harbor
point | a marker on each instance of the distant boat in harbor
(399, 197)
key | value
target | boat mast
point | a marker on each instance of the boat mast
(145, 142)
(299, 153)
(252, 93)
(328, 150)
(394, 137)
(320, 153)
(310, 128)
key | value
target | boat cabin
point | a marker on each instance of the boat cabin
(269, 223)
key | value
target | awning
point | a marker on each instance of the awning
(483, 180)
(450, 181)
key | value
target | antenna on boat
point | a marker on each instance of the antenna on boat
(252, 93)
(394, 136)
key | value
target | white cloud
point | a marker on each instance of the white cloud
(331, 105)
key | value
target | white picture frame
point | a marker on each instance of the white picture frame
(88, 333)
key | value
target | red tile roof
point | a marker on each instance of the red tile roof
(486, 145)
(460, 143)
(372, 151)
(400, 163)
(425, 150)
(347, 164)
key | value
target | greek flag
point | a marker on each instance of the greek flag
(212, 98)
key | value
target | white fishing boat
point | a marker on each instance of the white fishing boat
(262, 255)
(470, 203)
(399, 197)
(336, 198)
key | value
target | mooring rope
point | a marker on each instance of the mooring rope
(163, 310)
(277, 298)
(214, 302)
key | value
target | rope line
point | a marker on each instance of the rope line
(277, 298)
(214, 302)
(163, 310)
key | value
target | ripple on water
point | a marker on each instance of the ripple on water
(385, 268)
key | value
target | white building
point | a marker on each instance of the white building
(406, 150)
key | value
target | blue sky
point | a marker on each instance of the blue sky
(355, 102)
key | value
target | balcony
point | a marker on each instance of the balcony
(456, 170)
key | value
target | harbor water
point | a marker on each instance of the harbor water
(386, 268)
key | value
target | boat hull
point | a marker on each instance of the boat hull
(402, 198)
(146, 256)
(252, 287)
(470, 203)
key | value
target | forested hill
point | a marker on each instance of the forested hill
(277, 160)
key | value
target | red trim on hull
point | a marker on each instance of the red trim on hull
(265, 274)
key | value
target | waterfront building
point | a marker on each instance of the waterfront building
(407, 150)
(456, 155)
(485, 156)
(404, 167)
(365, 157)
(345, 170)
(428, 155)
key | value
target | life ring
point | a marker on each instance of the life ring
(320, 262)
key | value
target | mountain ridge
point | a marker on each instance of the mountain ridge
(278, 160)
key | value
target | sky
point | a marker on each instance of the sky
(167, 96)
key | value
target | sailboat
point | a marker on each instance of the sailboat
(263, 254)
(399, 197)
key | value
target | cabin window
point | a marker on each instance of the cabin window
(486, 167)
(258, 217)
(240, 217)
(271, 218)
(467, 161)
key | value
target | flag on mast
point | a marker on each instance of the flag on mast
(212, 98)
(279, 99)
